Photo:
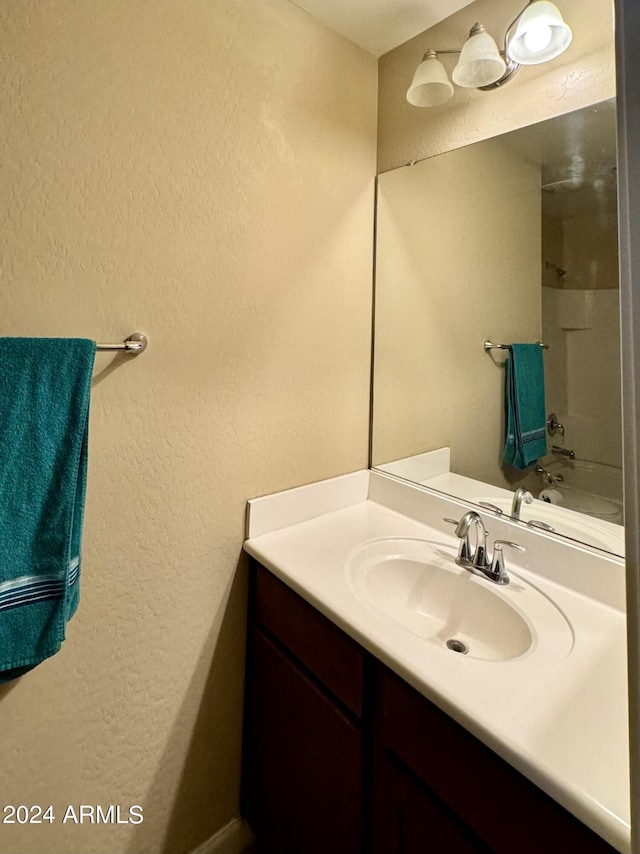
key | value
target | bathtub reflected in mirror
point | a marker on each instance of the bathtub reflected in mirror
(512, 239)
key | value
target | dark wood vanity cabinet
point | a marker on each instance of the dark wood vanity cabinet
(341, 756)
(409, 819)
(483, 803)
(304, 745)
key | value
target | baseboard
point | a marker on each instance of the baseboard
(233, 838)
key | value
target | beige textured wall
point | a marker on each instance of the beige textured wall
(201, 171)
(458, 261)
(590, 252)
(584, 244)
(583, 75)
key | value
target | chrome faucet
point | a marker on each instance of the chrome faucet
(479, 556)
(521, 494)
(550, 478)
(563, 452)
(477, 560)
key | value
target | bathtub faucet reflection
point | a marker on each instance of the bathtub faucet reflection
(550, 478)
(563, 452)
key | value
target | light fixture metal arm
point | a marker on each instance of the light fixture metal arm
(512, 67)
(446, 50)
(510, 73)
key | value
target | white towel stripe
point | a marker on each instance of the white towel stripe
(28, 600)
(36, 588)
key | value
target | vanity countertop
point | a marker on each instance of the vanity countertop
(562, 723)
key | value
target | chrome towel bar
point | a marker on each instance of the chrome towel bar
(134, 344)
(489, 345)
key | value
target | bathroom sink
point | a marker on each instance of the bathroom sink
(417, 584)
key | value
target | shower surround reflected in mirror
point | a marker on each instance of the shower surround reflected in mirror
(512, 239)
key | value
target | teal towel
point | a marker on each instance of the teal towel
(526, 435)
(45, 387)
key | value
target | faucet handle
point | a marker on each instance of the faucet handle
(543, 526)
(488, 506)
(515, 546)
(553, 425)
(498, 570)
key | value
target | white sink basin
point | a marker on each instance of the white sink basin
(417, 584)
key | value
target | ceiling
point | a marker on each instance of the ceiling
(380, 25)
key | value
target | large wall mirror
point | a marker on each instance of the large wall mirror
(509, 240)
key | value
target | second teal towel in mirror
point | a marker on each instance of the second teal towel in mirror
(526, 438)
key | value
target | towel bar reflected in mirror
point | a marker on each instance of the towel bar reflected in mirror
(489, 345)
(134, 344)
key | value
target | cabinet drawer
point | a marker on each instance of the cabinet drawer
(331, 655)
(501, 806)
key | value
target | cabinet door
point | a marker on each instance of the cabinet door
(303, 762)
(409, 819)
(323, 649)
(492, 799)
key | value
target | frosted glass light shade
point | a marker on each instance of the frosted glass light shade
(430, 85)
(480, 62)
(540, 34)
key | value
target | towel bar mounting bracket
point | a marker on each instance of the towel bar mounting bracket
(136, 343)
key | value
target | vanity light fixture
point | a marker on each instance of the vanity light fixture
(537, 35)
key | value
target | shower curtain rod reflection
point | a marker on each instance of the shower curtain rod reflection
(489, 345)
(135, 343)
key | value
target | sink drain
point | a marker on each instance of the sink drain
(457, 646)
